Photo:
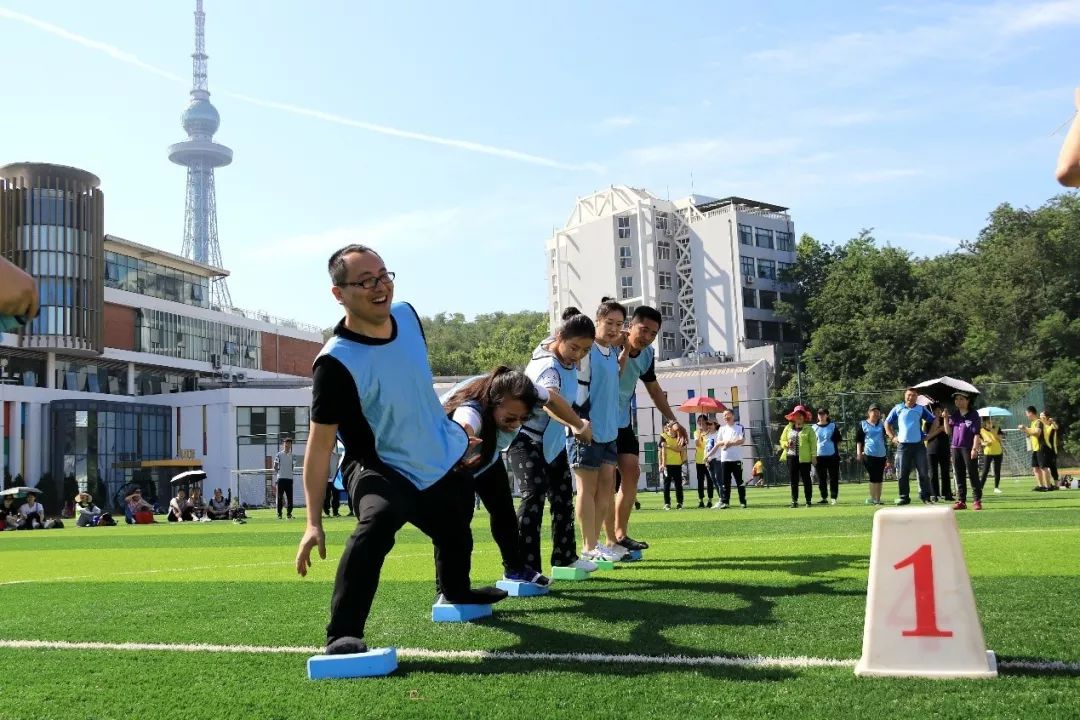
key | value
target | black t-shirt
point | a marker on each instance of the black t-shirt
(335, 401)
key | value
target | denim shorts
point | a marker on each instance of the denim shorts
(591, 456)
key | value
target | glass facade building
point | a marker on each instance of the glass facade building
(51, 224)
(98, 444)
(166, 333)
(155, 280)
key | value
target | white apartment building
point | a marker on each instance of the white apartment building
(710, 266)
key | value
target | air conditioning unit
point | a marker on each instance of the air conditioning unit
(668, 232)
(748, 279)
(215, 362)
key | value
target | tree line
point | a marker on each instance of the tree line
(1004, 306)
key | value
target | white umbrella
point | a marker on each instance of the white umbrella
(994, 412)
(188, 476)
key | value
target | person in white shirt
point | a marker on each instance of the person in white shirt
(283, 471)
(32, 513)
(730, 438)
(179, 509)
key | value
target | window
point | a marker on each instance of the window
(768, 299)
(663, 280)
(663, 250)
(747, 265)
(766, 269)
(787, 298)
(667, 341)
(763, 238)
(623, 223)
(785, 241)
(552, 254)
(746, 234)
(661, 221)
(782, 267)
(627, 284)
(667, 310)
(753, 330)
(749, 297)
(554, 285)
(625, 261)
(770, 331)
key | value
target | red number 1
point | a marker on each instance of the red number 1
(922, 561)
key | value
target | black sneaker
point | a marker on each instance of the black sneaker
(637, 505)
(631, 544)
(822, 501)
(701, 503)
(794, 505)
(678, 506)
(902, 501)
(346, 646)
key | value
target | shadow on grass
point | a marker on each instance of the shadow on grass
(503, 667)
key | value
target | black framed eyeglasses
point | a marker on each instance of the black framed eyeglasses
(372, 282)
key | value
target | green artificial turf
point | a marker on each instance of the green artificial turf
(768, 581)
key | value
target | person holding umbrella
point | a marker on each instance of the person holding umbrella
(904, 425)
(798, 445)
(992, 451)
(964, 427)
(704, 478)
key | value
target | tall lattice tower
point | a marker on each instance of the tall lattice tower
(200, 155)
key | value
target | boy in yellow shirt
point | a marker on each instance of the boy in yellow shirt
(674, 457)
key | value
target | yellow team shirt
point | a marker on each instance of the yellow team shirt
(699, 445)
(1048, 430)
(759, 468)
(1033, 440)
(672, 456)
(991, 441)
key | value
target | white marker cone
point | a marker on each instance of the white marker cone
(920, 612)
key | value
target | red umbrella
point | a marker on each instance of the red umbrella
(702, 404)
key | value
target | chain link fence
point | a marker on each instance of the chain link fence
(846, 410)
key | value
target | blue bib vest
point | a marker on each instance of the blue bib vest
(598, 398)
(825, 445)
(633, 370)
(540, 427)
(503, 438)
(393, 381)
(874, 442)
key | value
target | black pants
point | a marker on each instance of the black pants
(828, 476)
(875, 468)
(332, 499)
(673, 476)
(729, 470)
(1048, 460)
(382, 504)
(940, 483)
(538, 481)
(987, 461)
(966, 467)
(799, 471)
(493, 487)
(704, 478)
(284, 493)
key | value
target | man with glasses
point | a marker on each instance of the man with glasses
(372, 387)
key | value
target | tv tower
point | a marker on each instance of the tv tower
(200, 155)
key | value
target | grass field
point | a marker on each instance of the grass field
(768, 581)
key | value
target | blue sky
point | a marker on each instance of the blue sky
(454, 137)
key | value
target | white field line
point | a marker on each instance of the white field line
(751, 661)
(675, 541)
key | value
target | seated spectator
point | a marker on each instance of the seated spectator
(9, 514)
(179, 510)
(197, 505)
(757, 478)
(137, 510)
(32, 513)
(87, 514)
(218, 507)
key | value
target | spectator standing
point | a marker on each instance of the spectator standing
(904, 426)
(992, 452)
(283, 471)
(704, 479)
(333, 498)
(798, 445)
(1035, 436)
(827, 460)
(939, 455)
(730, 438)
(964, 426)
(871, 450)
(674, 457)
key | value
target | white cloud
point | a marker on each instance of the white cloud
(713, 151)
(618, 121)
(467, 145)
(1043, 15)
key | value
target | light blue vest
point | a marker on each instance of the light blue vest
(394, 383)
(540, 427)
(874, 443)
(503, 438)
(825, 445)
(631, 373)
(598, 399)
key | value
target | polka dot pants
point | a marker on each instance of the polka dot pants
(539, 480)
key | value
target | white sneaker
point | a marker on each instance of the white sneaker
(603, 552)
(583, 564)
(667, 507)
(617, 550)
(997, 491)
(720, 506)
(832, 501)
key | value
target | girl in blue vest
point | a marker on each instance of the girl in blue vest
(537, 455)
(871, 449)
(827, 459)
(492, 409)
(598, 400)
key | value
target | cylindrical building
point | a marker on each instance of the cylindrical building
(52, 226)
